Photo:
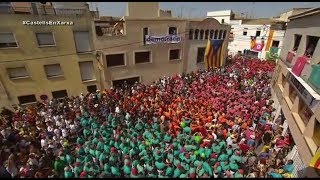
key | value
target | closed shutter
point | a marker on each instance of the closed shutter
(45, 39)
(17, 72)
(53, 70)
(82, 41)
(7, 38)
(86, 70)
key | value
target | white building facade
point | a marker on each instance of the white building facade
(242, 30)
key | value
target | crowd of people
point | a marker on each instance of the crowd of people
(207, 123)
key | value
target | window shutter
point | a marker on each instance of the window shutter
(86, 70)
(82, 41)
(53, 70)
(7, 38)
(45, 39)
(17, 72)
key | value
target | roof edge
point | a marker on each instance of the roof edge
(305, 13)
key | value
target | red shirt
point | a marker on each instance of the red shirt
(244, 147)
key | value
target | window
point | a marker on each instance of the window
(196, 34)
(211, 34)
(297, 39)
(224, 34)
(312, 42)
(129, 81)
(231, 35)
(191, 34)
(144, 33)
(27, 99)
(115, 60)
(304, 112)
(222, 21)
(86, 70)
(92, 88)
(316, 133)
(206, 34)
(81, 39)
(53, 70)
(220, 34)
(99, 31)
(19, 72)
(201, 34)
(245, 31)
(200, 54)
(258, 33)
(7, 40)
(275, 43)
(59, 94)
(174, 54)
(45, 39)
(173, 31)
(216, 34)
(142, 57)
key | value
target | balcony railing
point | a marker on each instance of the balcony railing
(40, 10)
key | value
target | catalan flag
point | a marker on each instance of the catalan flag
(214, 53)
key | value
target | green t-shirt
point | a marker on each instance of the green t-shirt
(223, 157)
(169, 171)
(115, 171)
(159, 165)
(233, 166)
(225, 167)
(59, 165)
(176, 173)
(68, 174)
(126, 169)
(207, 168)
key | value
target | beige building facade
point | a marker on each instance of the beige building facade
(296, 82)
(93, 52)
(40, 54)
(127, 55)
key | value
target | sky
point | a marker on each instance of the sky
(200, 9)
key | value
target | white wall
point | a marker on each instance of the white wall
(242, 42)
(219, 15)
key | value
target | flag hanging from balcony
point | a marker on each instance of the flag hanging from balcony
(214, 53)
(253, 42)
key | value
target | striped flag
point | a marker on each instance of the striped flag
(214, 53)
